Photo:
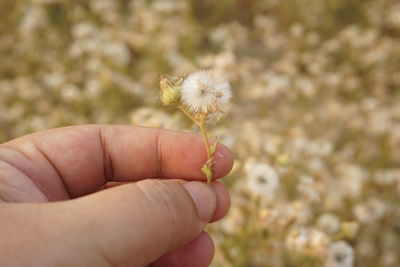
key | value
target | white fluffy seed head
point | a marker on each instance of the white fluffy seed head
(262, 180)
(201, 93)
(340, 254)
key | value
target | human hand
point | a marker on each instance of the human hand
(60, 205)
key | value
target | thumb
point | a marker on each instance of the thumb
(137, 223)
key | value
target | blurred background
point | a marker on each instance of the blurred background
(314, 124)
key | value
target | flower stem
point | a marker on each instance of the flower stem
(200, 120)
(205, 137)
(208, 164)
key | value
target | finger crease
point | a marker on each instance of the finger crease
(38, 185)
(108, 169)
(159, 156)
(55, 169)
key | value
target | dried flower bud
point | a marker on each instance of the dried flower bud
(170, 89)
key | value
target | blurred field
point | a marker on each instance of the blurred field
(314, 124)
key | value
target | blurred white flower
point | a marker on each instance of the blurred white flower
(390, 248)
(201, 93)
(116, 52)
(394, 16)
(169, 6)
(307, 188)
(352, 179)
(307, 240)
(103, 6)
(340, 255)
(299, 212)
(70, 92)
(329, 223)
(316, 164)
(37, 123)
(53, 80)
(262, 180)
(387, 177)
(33, 19)
(298, 239)
(233, 221)
(318, 241)
(84, 30)
(370, 211)
(305, 86)
(296, 30)
(276, 83)
(92, 88)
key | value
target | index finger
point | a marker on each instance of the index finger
(87, 157)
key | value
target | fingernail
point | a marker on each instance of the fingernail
(204, 199)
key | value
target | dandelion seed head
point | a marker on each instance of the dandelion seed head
(262, 180)
(297, 239)
(340, 255)
(370, 211)
(329, 223)
(201, 93)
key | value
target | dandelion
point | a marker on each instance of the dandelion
(329, 223)
(307, 240)
(370, 211)
(201, 93)
(200, 97)
(318, 241)
(262, 180)
(306, 188)
(297, 239)
(340, 255)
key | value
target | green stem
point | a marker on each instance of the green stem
(203, 130)
(201, 122)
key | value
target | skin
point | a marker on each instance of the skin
(99, 195)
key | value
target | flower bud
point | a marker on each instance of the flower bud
(170, 89)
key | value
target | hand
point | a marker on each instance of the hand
(108, 196)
